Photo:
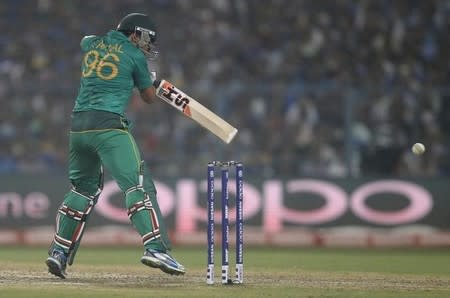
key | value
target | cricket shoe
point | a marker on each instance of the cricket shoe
(56, 263)
(163, 261)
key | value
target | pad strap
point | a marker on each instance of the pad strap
(134, 188)
(64, 243)
(80, 216)
(146, 204)
(75, 214)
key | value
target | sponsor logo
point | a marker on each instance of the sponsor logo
(273, 205)
(175, 96)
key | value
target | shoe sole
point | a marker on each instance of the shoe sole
(54, 267)
(155, 263)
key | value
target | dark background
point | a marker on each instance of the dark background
(316, 88)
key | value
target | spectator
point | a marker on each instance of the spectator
(286, 73)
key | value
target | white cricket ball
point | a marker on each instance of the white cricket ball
(418, 148)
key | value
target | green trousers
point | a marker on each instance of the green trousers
(117, 152)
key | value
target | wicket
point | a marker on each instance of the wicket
(225, 221)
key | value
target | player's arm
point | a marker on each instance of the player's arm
(145, 80)
(148, 94)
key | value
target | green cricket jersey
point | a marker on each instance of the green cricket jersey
(111, 67)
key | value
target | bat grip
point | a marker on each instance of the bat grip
(156, 83)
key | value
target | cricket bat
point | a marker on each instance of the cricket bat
(196, 111)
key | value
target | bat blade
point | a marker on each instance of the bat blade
(196, 111)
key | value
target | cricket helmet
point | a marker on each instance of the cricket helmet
(145, 30)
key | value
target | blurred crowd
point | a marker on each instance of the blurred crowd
(316, 88)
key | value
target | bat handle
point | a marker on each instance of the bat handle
(156, 83)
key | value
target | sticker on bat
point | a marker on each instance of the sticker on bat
(175, 96)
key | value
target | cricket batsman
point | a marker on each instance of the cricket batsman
(111, 67)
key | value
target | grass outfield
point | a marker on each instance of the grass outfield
(116, 272)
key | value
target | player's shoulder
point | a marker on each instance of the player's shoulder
(138, 55)
(133, 52)
(87, 40)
